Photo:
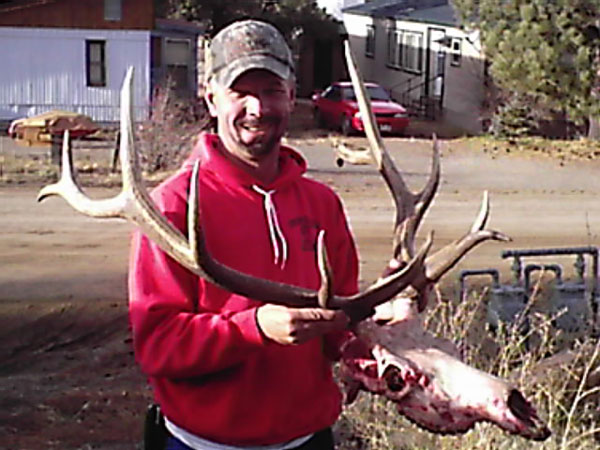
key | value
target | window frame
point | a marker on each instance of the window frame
(456, 53)
(414, 51)
(178, 69)
(90, 79)
(371, 41)
(394, 48)
(172, 41)
(402, 56)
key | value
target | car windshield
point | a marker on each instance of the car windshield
(375, 93)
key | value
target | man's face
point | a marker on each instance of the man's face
(252, 114)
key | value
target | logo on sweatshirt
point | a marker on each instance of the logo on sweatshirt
(309, 228)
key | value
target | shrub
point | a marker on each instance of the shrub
(165, 139)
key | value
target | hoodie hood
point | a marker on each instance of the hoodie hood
(210, 151)
(214, 163)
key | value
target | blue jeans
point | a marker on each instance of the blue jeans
(322, 440)
(175, 444)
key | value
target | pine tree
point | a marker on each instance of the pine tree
(546, 53)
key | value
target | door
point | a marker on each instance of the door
(436, 63)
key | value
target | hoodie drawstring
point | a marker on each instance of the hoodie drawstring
(275, 232)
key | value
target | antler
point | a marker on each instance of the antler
(134, 204)
(411, 207)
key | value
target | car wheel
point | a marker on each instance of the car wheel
(346, 126)
(319, 121)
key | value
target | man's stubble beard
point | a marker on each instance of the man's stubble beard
(264, 146)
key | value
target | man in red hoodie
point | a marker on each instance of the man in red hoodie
(228, 371)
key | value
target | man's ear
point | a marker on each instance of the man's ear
(209, 98)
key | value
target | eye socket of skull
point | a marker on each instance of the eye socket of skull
(520, 407)
(393, 379)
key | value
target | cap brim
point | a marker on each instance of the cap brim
(229, 74)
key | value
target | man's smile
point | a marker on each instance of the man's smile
(251, 130)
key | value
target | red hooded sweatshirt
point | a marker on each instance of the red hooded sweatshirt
(212, 371)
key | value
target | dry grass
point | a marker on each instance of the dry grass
(560, 376)
(38, 169)
(92, 160)
(561, 150)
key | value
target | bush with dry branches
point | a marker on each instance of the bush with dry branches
(165, 139)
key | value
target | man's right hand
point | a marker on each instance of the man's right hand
(286, 325)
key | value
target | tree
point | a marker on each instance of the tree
(287, 15)
(543, 52)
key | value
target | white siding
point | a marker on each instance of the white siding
(463, 85)
(43, 69)
(356, 26)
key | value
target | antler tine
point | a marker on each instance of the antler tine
(410, 207)
(484, 214)
(408, 222)
(326, 289)
(443, 260)
(139, 207)
(133, 202)
(385, 164)
(68, 187)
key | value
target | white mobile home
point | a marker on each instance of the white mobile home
(73, 55)
(72, 70)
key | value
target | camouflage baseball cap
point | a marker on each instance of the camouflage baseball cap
(246, 45)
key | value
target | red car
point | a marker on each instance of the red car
(336, 107)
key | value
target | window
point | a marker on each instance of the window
(405, 50)
(177, 59)
(113, 10)
(95, 62)
(394, 48)
(333, 93)
(370, 42)
(375, 93)
(412, 44)
(456, 52)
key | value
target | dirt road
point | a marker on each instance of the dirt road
(68, 379)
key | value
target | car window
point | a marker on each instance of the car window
(378, 93)
(375, 93)
(327, 92)
(348, 94)
(332, 93)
